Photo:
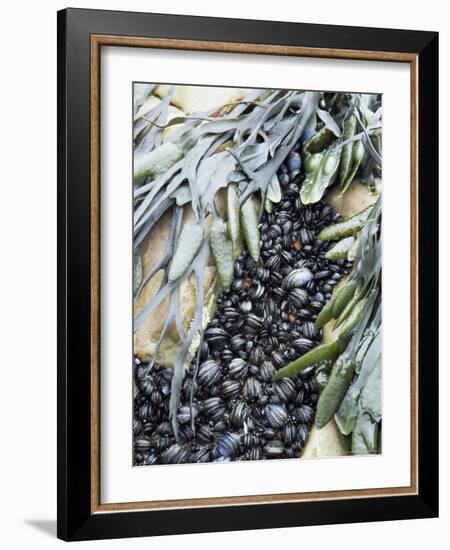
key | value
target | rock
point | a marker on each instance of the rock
(146, 337)
(324, 442)
(172, 112)
(191, 99)
(151, 102)
(356, 198)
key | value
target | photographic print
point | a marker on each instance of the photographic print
(257, 274)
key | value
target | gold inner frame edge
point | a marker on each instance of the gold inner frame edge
(97, 41)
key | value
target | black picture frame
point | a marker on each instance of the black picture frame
(76, 521)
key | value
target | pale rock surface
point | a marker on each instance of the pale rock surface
(152, 249)
(172, 112)
(324, 442)
(356, 198)
(191, 99)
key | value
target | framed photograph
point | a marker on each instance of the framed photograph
(247, 252)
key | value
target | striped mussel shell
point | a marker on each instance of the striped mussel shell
(227, 445)
(214, 408)
(237, 369)
(203, 454)
(164, 442)
(285, 389)
(302, 433)
(137, 425)
(249, 440)
(253, 370)
(256, 291)
(145, 412)
(302, 345)
(150, 458)
(239, 414)
(283, 215)
(319, 297)
(257, 355)
(270, 308)
(230, 314)
(300, 396)
(303, 314)
(286, 225)
(286, 256)
(216, 338)
(220, 425)
(312, 386)
(226, 355)
(294, 163)
(253, 322)
(283, 336)
(237, 343)
(252, 388)
(290, 452)
(305, 414)
(275, 415)
(166, 389)
(263, 274)
(278, 295)
(147, 385)
(205, 434)
(245, 306)
(187, 413)
(156, 397)
(297, 278)
(276, 279)
(309, 330)
(177, 453)
(230, 389)
(303, 262)
(257, 413)
(263, 400)
(274, 231)
(203, 350)
(186, 433)
(266, 371)
(316, 306)
(277, 359)
(274, 448)
(289, 433)
(322, 274)
(255, 453)
(142, 444)
(311, 287)
(209, 373)
(275, 398)
(306, 236)
(165, 428)
(298, 297)
(258, 307)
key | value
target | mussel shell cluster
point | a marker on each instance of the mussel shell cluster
(230, 408)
